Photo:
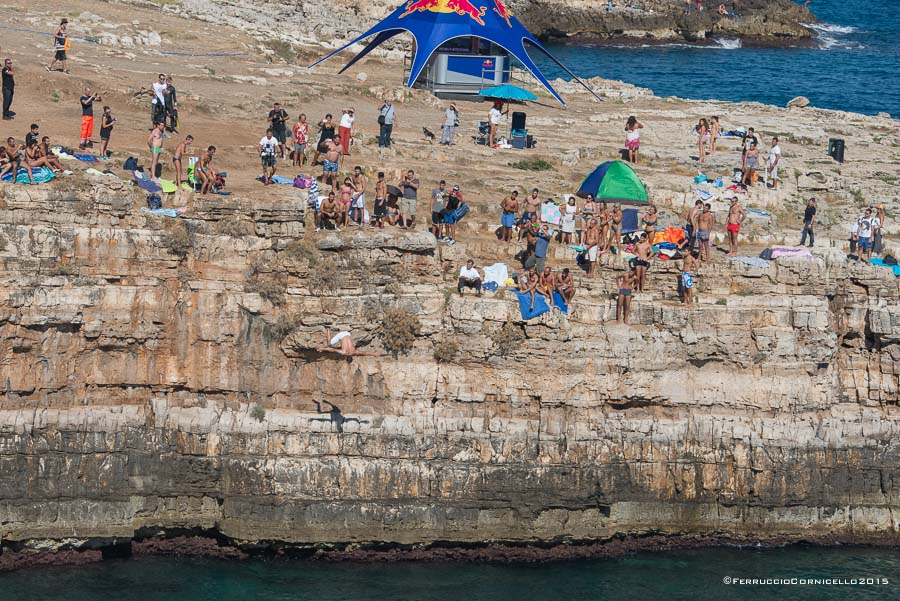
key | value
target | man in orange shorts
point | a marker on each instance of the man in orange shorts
(87, 118)
(736, 216)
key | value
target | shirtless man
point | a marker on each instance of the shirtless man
(736, 216)
(16, 156)
(690, 268)
(155, 143)
(643, 253)
(603, 220)
(331, 164)
(52, 159)
(342, 344)
(380, 200)
(528, 282)
(532, 207)
(705, 222)
(508, 209)
(547, 284)
(359, 199)
(530, 230)
(34, 159)
(176, 159)
(329, 212)
(204, 171)
(691, 221)
(565, 285)
(625, 282)
(591, 245)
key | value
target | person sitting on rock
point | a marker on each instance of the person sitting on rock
(565, 285)
(469, 278)
(329, 213)
(35, 159)
(16, 158)
(528, 282)
(547, 284)
(342, 344)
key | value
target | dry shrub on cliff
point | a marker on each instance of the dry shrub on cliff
(235, 227)
(258, 413)
(305, 250)
(506, 338)
(177, 238)
(445, 351)
(3, 242)
(273, 291)
(399, 329)
(283, 325)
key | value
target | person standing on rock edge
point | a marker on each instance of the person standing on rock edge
(345, 129)
(60, 47)
(633, 138)
(809, 221)
(87, 118)
(360, 184)
(268, 149)
(625, 282)
(702, 139)
(277, 122)
(178, 156)
(155, 144)
(591, 243)
(448, 125)
(386, 120)
(106, 126)
(508, 208)
(774, 162)
(868, 225)
(410, 187)
(690, 268)
(438, 204)
(705, 222)
(158, 102)
(326, 135)
(300, 133)
(9, 88)
(736, 216)
(713, 134)
(690, 225)
(171, 105)
(643, 252)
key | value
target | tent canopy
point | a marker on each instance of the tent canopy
(615, 181)
(507, 92)
(435, 22)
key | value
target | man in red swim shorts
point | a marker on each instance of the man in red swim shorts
(736, 216)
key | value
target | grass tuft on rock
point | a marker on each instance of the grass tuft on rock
(532, 165)
(399, 329)
(506, 338)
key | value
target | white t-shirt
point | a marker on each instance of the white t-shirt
(269, 144)
(867, 226)
(347, 120)
(495, 116)
(775, 153)
(469, 274)
(158, 93)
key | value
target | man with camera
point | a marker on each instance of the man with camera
(87, 118)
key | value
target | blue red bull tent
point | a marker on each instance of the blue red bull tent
(435, 22)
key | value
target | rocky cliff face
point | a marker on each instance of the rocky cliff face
(163, 376)
(327, 24)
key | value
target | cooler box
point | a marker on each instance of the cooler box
(520, 142)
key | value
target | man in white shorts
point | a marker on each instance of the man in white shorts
(342, 344)
(774, 162)
(591, 244)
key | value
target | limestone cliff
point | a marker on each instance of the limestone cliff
(327, 23)
(161, 376)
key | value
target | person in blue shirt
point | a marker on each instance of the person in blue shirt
(541, 247)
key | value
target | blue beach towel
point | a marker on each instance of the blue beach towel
(161, 212)
(540, 305)
(87, 158)
(41, 175)
(559, 303)
(282, 180)
(880, 263)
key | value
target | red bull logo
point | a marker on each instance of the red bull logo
(501, 10)
(460, 7)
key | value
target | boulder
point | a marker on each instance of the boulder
(798, 102)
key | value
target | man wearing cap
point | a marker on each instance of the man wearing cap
(809, 220)
(736, 216)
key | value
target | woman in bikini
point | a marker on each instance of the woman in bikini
(392, 215)
(615, 227)
(713, 134)
(603, 224)
(587, 213)
(703, 138)
(346, 193)
(648, 221)
(34, 158)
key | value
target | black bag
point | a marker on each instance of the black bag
(380, 119)
(890, 260)
(154, 201)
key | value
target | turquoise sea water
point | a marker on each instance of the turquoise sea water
(696, 575)
(855, 65)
